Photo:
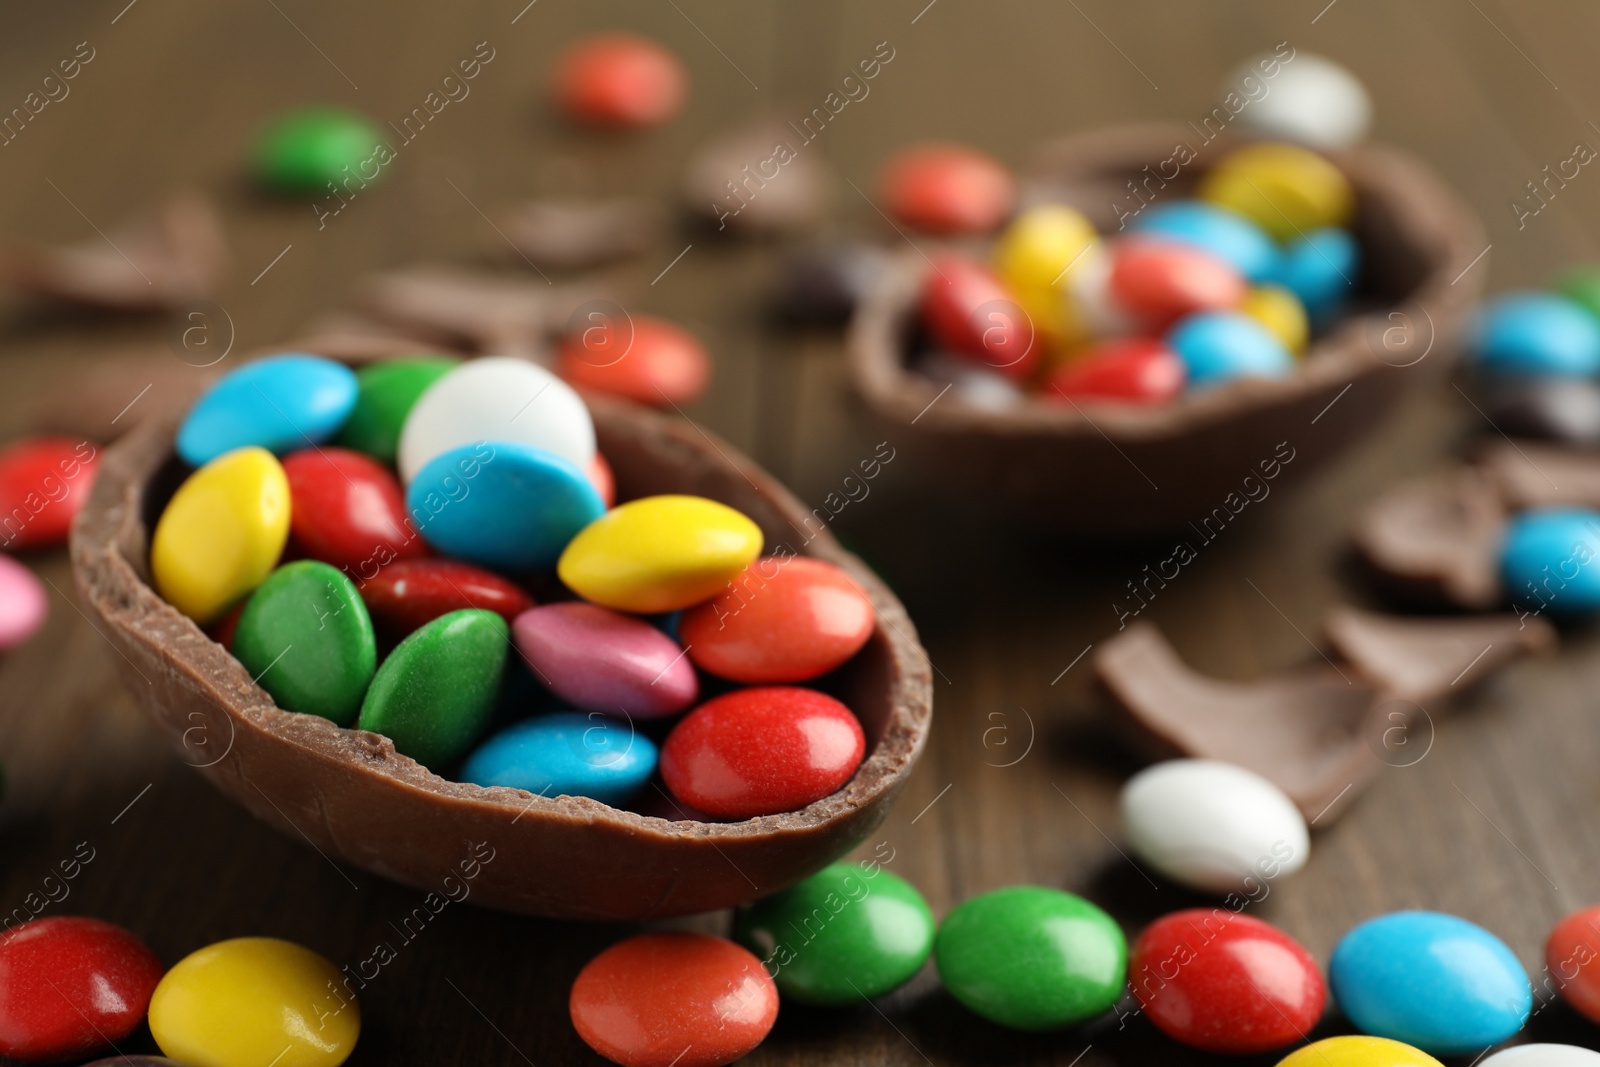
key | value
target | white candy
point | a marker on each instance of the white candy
(497, 398)
(1213, 826)
(1543, 1056)
(1087, 294)
(1311, 100)
(977, 387)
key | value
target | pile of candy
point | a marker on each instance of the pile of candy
(1188, 294)
(306, 566)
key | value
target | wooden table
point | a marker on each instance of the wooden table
(1020, 781)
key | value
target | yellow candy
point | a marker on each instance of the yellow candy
(1035, 256)
(1286, 189)
(255, 1002)
(660, 553)
(1356, 1051)
(222, 533)
(1281, 312)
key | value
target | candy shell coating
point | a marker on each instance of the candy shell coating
(762, 751)
(221, 533)
(347, 510)
(1225, 234)
(1032, 958)
(659, 553)
(385, 393)
(245, 1001)
(1309, 99)
(23, 603)
(1543, 1055)
(281, 403)
(566, 754)
(661, 999)
(1358, 1051)
(496, 398)
(44, 481)
(619, 79)
(1526, 333)
(1431, 980)
(1572, 955)
(651, 362)
(1281, 313)
(1221, 346)
(1158, 281)
(1321, 269)
(303, 150)
(70, 986)
(1212, 825)
(1285, 189)
(1034, 257)
(946, 188)
(410, 593)
(1541, 547)
(602, 660)
(1137, 370)
(968, 309)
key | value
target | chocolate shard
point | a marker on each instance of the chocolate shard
(471, 310)
(1438, 538)
(1422, 660)
(1565, 410)
(1307, 731)
(352, 337)
(157, 261)
(760, 179)
(574, 234)
(1529, 475)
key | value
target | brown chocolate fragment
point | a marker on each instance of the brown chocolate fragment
(464, 309)
(1438, 538)
(821, 282)
(351, 337)
(1564, 410)
(155, 262)
(1308, 732)
(1529, 475)
(762, 179)
(1424, 659)
(573, 234)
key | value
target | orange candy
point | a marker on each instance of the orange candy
(785, 619)
(689, 1000)
(1572, 957)
(947, 188)
(618, 79)
(644, 359)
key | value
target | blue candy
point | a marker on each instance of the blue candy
(1550, 560)
(1225, 234)
(566, 753)
(1321, 269)
(281, 403)
(1435, 981)
(1535, 333)
(502, 504)
(1219, 346)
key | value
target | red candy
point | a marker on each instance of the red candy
(1139, 370)
(968, 308)
(1572, 955)
(1224, 982)
(410, 592)
(619, 80)
(673, 1000)
(70, 986)
(783, 620)
(762, 751)
(604, 482)
(647, 360)
(348, 510)
(948, 188)
(1159, 282)
(43, 483)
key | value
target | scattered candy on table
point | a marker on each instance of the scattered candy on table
(305, 151)
(1545, 560)
(1432, 980)
(619, 79)
(254, 1001)
(71, 986)
(44, 481)
(946, 188)
(1535, 333)
(1302, 97)
(1572, 958)
(646, 359)
(24, 606)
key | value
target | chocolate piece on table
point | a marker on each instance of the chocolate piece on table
(1422, 659)
(760, 179)
(1565, 410)
(155, 262)
(1308, 731)
(351, 337)
(821, 282)
(1529, 475)
(479, 311)
(573, 234)
(1438, 538)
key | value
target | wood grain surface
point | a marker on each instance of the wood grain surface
(1020, 780)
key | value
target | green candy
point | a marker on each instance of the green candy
(434, 694)
(306, 149)
(848, 933)
(306, 638)
(1032, 958)
(385, 394)
(1583, 286)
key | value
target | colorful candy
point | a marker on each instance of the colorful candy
(221, 533)
(282, 404)
(947, 188)
(785, 619)
(44, 481)
(1222, 346)
(659, 553)
(1034, 257)
(619, 79)
(385, 393)
(658, 1000)
(1302, 97)
(1320, 269)
(255, 1001)
(1224, 234)
(1543, 1055)
(305, 638)
(1213, 826)
(1355, 1051)
(303, 151)
(1032, 958)
(409, 593)
(566, 754)
(23, 603)
(1572, 958)
(762, 751)
(70, 986)
(1281, 313)
(848, 933)
(1535, 333)
(1224, 982)
(1434, 981)
(1139, 370)
(603, 660)
(1285, 189)
(1547, 560)
(1158, 282)
(967, 308)
(644, 359)
(434, 693)
(347, 510)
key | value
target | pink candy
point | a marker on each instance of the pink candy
(23, 605)
(601, 660)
